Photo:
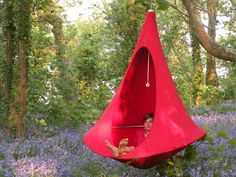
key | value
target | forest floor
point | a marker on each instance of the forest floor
(61, 152)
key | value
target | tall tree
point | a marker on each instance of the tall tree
(19, 102)
(211, 74)
(197, 70)
(9, 30)
(2, 53)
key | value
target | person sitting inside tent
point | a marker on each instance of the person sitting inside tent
(122, 148)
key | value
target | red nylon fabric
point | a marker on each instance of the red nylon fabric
(173, 128)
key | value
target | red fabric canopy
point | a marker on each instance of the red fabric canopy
(172, 130)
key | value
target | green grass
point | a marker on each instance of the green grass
(2, 156)
(222, 133)
(232, 142)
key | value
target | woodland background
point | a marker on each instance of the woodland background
(59, 73)
(56, 71)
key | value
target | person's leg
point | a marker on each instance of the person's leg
(115, 151)
(129, 148)
(125, 150)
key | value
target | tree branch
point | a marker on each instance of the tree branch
(221, 52)
(176, 8)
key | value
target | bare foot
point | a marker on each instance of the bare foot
(123, 146)
(123, 143)
(114, 149)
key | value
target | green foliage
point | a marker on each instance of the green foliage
(13, 131)
(1, 173)
(162, 5)
(83, 50)
(16, 153)
(190, 153)
(2, 156)
(42, 122)
(222, 133)
(209, 139)
(33, 151)
(220, 149)
(212, 95)
(22, 18)
(170, 168)
(182, 77)
(93, 169)
(232, 142)
(2, 115)
(124, 22)
(228, 80)
(184, 89)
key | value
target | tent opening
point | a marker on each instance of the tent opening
(137, 99)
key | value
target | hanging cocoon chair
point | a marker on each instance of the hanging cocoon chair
(147, 87)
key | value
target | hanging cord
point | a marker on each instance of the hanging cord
(148, 72)
(150, 5)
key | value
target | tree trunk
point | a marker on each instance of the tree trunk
(18, 105)
(9, 34)
(224, 53)
(197, 70)
(18, 110)
(211, 75)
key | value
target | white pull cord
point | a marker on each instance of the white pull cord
(148, 64)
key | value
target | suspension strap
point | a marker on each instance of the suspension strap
(128, 126)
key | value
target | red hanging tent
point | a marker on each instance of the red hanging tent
(173, 128)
